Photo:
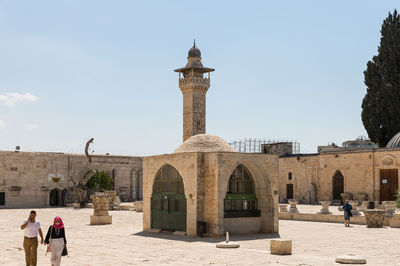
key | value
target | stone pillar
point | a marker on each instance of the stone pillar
(390, 208)
(138, 206)
(354, 211)
(325, 207)
(364, 206)
(395, 221)
(100, 212)
(293, 206)
(134, 188)
(374, 218)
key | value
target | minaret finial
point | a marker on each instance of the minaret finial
(194, 42)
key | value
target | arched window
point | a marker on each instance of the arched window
(240, 199)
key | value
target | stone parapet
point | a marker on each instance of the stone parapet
(323, 218)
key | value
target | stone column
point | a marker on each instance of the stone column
(395, 221)
(325, 207)
(354, 211)
(390, 208)
(364, 206)
(134, 188)
(100, 212)
(374, 218)
(293, 206)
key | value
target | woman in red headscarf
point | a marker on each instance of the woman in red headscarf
(56, 239)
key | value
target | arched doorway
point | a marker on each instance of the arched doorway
(57, 197)
(240, 199)
(337, 185)
(168, 202)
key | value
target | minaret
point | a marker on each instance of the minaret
(194, 88)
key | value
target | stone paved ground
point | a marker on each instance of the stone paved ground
(123, 243)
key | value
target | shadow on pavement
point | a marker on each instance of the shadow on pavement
(235, 238)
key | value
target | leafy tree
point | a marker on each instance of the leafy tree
(381, 105)
(100, 181)
(398, 199)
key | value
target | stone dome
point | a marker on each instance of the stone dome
(205, 143)
(394, 142)
(194, 51)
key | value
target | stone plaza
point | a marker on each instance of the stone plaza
(124, 243)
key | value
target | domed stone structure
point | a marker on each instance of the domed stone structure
(205, 143)
(205, 186)
(394, 142)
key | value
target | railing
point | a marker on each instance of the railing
(195, 80)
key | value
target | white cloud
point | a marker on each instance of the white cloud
(13, 97)
(31, 127)
(2, 124)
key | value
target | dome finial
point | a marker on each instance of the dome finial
(194, 51)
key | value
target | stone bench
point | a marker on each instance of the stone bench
(281, 247)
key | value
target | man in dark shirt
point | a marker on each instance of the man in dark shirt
(347, 213)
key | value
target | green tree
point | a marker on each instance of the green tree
(100, 181)
(398, 199)
(381, 105)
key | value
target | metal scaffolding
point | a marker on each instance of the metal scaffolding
(253, 145)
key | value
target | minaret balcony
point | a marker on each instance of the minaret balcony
(194, 81)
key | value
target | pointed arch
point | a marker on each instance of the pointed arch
(168, 202)
(337, 185)
(240, 199)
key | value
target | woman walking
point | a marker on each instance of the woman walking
(56, 239)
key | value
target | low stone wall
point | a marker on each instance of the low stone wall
(325, 218)
(242, 225)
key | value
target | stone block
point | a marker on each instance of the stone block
(281, 247)
(395, 221)
(100, 219)
(350, 259)
(283, 208)
(138, 206)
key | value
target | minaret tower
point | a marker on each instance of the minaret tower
(194, 88)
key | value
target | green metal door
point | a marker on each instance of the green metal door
(168, 202)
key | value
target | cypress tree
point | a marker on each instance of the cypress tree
(381, 104)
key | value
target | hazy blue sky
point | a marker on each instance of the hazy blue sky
(71, 70)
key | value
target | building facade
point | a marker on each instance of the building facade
(41, 179)
(363, 173)
(205, 182)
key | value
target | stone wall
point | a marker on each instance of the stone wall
(27, 178)
(311, 175)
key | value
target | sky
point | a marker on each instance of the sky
(284, 70)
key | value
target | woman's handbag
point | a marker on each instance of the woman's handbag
(65, 251)
(48, 246)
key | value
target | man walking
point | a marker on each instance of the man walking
(347, 213)
(31, 228)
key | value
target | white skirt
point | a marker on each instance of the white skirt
(57, 246)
